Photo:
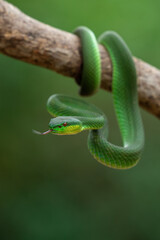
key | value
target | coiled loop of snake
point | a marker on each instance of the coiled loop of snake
(73, 115)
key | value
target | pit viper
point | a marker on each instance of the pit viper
(71, 115)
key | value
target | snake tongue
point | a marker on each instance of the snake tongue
(44, 133)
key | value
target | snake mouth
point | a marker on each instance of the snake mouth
(43, 133)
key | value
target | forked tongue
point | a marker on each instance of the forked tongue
(43, 133)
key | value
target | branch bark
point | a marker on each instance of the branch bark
(29, 40)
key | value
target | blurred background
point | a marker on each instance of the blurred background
(50, 186)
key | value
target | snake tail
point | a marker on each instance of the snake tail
(90, 80)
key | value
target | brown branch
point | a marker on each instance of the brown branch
(31, 41)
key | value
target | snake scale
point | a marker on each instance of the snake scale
(71, 115)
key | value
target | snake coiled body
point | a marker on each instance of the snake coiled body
(74, 115)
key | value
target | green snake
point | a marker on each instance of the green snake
(72, 115)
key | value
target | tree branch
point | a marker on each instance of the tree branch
(29, 40)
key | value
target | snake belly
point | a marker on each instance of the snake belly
(125, 97)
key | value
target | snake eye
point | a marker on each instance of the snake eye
(65, 124)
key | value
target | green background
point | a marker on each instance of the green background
(50, 186)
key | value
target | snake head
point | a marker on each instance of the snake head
(65, 125)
